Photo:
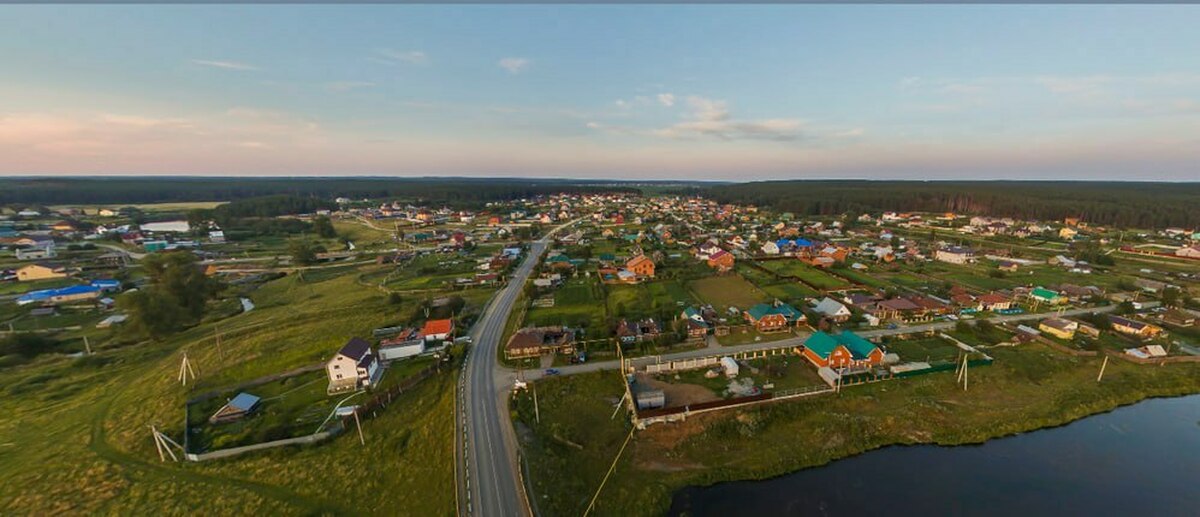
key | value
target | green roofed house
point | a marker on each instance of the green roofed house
(841, 350)
(1043, 295)
(773, 317)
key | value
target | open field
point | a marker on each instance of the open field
(77, 440)
(1028, 387)
(813, 276)
(728, 291)
(930, 350)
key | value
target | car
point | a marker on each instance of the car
(552, 371)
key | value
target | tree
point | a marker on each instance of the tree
(26, 345)
(151, 314)
(303, 252)
(323, 227)
(1170, 296)
(179, 277)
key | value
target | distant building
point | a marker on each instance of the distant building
(237, 408)
(40, 271)
(535, 341)
(955, 255)
(841, 350)
(1060, 328)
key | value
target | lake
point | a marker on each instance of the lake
(1142, 459)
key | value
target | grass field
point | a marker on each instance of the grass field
(1026, 388)
(794, 293)
(75, 438)
(813, 276)
(930, 350)
(728, 290)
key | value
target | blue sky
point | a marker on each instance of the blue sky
(672, 92)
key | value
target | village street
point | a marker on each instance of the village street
(799, 340)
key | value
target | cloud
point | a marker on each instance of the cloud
(666, 99)
(711, 118)
(850, 133)
(389, 56)
(345, 86)
(514, 65)
(226, 65)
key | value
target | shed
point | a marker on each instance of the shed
(651, 399)
(730, 366)
(237, 408)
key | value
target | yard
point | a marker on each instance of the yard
(728, 291)
(930, 350)
(810, 275)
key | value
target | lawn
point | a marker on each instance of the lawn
(929, 350)
(728, 290)
(794, 293)
(76, 439)
(813, 276)
(785, 372)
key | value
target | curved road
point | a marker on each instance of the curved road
(488, 479)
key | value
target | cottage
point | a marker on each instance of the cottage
(353, 367)
(40, 271)
(632, 331)
(1060, 328)
(407, 343)
(237, 408)
(641, 266)
(773, 317)
(833, 310)
(534, 341)
(1134, 327)
(955, 255)
(993, 302)
(75, 293)
(721, 260)
(438, 330)
(38, 253)
(1043, 295)
(841, 350)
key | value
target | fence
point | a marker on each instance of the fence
(234, 451)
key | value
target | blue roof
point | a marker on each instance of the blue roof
(784, 242)
(803, 243)
(243, 401)
(45, 294)
(106, 282)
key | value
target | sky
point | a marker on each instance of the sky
(621, 91)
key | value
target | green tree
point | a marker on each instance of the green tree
(1170, 296)
(151, 313)
(303, 252)
(180, 278)
(323, 227)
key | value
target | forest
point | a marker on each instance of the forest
(464, 192)
(1121, 204)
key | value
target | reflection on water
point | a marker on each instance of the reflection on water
(1138, 460)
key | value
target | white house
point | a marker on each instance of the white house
(770, 248)
(38, 253)
(833, 309)
(353, 367)
(955, 255)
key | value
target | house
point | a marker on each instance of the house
(1060, 328)
(40, 271)
(1179, 318)
(438, 330)
(1043, 295)
(699, 322)
(237, 408)
(39, 253)
(1067, 233)
(895, 309)
(75, 293)
(1147, 352)
(407, 343)
(993, 302)
(1008, 266)
(773, 317)
(641, 266)
(216, 236)
(846, 349)
(955, 255)
(1192, 251)
(534, 341)
(1134, 327)
(770, 248)
(833, 310)
(353, 367)
(632, 331)
(721, 260)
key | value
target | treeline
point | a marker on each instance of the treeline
(1122, 204)
(244, 218)
(449, 191)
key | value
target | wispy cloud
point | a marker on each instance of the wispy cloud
(514, 65)
(666, 99)
(711, 118)
(226, 65)
(393, 57)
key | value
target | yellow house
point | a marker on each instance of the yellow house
(1068, 233)
(40, 272)
(1134, 327)
(1059, 328)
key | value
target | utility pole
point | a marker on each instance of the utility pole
(185, 370)
(358, 424)
(220, 353)
(87, 345)
(1102, 366)
(536, 414)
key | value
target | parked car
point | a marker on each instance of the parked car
(552, 371)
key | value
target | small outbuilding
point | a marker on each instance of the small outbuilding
(237, 408)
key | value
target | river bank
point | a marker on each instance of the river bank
(570, 444)
(1143, 458)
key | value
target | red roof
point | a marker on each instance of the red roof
(433, 327)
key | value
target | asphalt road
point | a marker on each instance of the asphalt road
(488, 476)
(799, 340)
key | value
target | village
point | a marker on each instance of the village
(701, 306)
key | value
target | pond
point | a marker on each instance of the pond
(1142, 459)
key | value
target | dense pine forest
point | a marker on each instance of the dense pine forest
(128, 190)
(1123, 204)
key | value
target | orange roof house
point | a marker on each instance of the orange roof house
(721, 260)
(641, 266)
(437, 329)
